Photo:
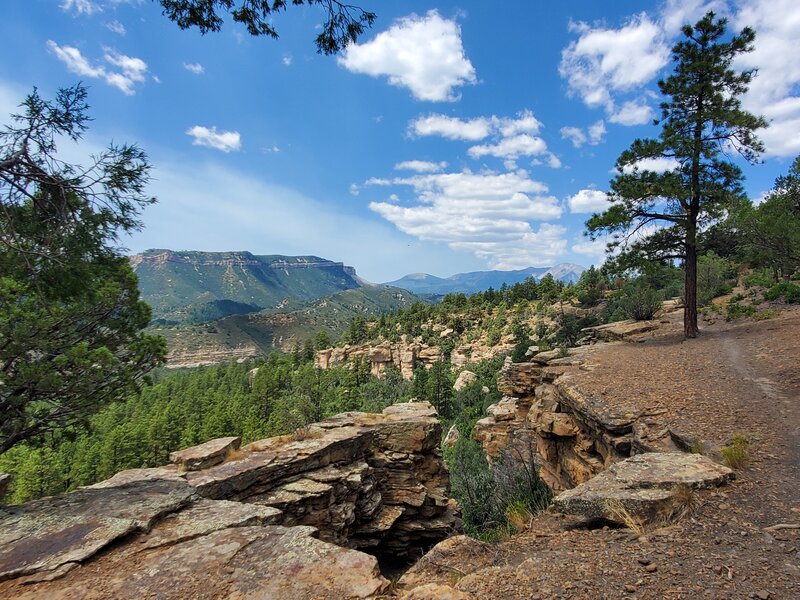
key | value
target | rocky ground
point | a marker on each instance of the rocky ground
(739, 541)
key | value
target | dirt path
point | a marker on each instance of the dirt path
(741, 377)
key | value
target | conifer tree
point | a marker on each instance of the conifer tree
(702, 123)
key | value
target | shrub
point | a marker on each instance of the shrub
(494, 497)
(790, 292)
(758, 278)
(736, 310)
(642, 303)
(737, 452)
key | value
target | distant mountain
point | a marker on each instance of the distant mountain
(479, 281)
(198, 287)
(258, 333)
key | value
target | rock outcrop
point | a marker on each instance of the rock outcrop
(643, 487)
(248, 525)
(404, 355)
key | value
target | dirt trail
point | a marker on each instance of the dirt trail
(741, 377)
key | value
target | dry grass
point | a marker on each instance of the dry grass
(684, 501)
(621, 514)
(305, 433)
(737, 453)
(519, 517)
(235, 454)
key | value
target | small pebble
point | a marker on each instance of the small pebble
(630, 588)
(644, 561)
(651, 568)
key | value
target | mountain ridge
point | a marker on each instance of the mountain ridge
(479, 281)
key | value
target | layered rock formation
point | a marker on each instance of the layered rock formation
(404, 355)
(574, 434)
(245, 527)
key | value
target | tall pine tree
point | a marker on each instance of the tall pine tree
(702, 122)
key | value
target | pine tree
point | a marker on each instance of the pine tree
(701, 122)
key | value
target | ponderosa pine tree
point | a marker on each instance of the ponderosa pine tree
(702, 122)
(71, 321)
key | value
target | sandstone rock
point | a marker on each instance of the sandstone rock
(435, 566)
(452, 437)
(519, 379)
(240, 562)
(505, 410)
(205, 455)
(50, 533)
(641, 486)
(621, 329)
(464, 379)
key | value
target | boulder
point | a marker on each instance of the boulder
(641, 487)
(205, 455)
(464, 379)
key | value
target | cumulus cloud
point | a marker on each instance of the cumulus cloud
(195, 68)
(656, 165)
(451, 127)
(633, 112)
(511, 147)
(775, 89)
(287, 60)
(594, 134)
(421, 53)
(129, 70)
(486, 213)
(587, 201)
(601, 61)
(421, 166)
(226, 141)
(677, 13)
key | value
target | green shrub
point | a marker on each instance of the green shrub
(737, 453)
(736, 310)
(758, 278)
(642, 303)
(790, 292)
(491, 495)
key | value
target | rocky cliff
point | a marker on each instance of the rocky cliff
(284, 517)
(405, 355)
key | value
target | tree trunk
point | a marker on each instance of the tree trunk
(690, 329)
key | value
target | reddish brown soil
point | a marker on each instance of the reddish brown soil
(741, 377)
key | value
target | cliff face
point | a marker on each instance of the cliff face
(283, 517)
(404, 355)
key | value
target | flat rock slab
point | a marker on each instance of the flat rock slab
(642, 486)
(49, 534)
(205, 455)
(621, 329)
(270, 562)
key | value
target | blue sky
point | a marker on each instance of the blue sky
(455, 136)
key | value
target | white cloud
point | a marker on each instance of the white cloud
(512, 147)
(131, 71)
(633, 112)
(602, 61)
(656, 165)
(224, 140)
(588, 201)
(423, 54)
(594, 135)
(485, 213)
(451, 127)
(81, 7)
(553, 161)
(524, 123)
(775, 89)
(195, 68)
(287, 59)
(677, 13)
(116, 27)
(420, 166)
(574, 135)
(594, 249)
(597, 132)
